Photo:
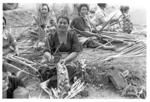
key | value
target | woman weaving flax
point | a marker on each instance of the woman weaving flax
(64, 43)
(83, 26)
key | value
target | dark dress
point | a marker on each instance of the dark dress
(79, 23)
(72, 45)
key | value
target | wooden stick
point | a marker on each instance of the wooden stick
(137, 47)
(129, 48)
(132, 50)
(24, 59)
(105, 24)
(140, 49)
(78, 81)
(75, 92)
(18, 61)
(12, 66)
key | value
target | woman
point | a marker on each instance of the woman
(83, 26)
(40, 23)
(63, 40)
(64, 44)
(43, 15)
(100, 15)
(9, 44)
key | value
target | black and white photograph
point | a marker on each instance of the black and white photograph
(74, 51)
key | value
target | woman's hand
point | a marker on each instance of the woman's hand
(62, 61)
(48, 57)
(98, 36)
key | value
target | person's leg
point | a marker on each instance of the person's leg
(109, 47)
(94, 44)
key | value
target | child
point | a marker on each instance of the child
(125, 23)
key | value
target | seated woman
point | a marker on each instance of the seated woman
(83, 26)
(9, 44)
(63, 43)
(43, 15)
(40, 21)
(37, 32)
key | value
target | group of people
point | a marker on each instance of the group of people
(63, 37)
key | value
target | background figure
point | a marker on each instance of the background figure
(43, 15)
(100, 15)
(40, 22)
(125, 21)
(83, 26)
(9, 43)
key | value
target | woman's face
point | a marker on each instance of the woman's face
(84, 11)
(62, 25)
(44, 9)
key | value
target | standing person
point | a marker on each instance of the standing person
(83, 26)
(125, 21)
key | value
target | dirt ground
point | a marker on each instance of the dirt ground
(137, 65)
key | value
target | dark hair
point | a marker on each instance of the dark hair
(65, 17)
(102, 5)
(124, 8)
(4, 19)
(44, 4)
(83, 5)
